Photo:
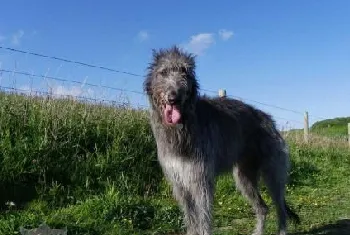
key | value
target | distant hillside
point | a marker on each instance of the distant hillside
(336, 127)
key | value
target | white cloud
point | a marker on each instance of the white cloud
(16, 38)
(60, 91)
(225, 34)
(143, 35)
(66, 91)
(26, 89)
(74, 91)
(199, 43)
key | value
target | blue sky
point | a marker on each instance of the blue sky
(293, 54)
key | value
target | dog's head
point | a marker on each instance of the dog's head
(171, 83)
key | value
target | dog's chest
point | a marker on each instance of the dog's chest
(177, 169)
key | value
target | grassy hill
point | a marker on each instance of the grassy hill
(93, 168)
(337, 127)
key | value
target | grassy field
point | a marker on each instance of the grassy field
(93, 169)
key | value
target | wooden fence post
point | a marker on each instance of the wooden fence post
(222, 93)
(306, 127)
(349, 133)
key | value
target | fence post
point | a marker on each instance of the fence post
(306, 127)
(349, 133)
(222, 93)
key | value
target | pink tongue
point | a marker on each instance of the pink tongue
(171, 114)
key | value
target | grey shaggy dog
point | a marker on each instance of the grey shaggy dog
(199, 137)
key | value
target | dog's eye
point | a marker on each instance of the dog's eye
(164, 72)
(183, 70)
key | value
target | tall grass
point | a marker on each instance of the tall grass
(74, 148)
(93, 168)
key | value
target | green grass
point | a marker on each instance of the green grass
(93, 169)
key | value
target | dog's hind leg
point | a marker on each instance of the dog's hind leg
(247, 182)
(276, 189)
(274, 173)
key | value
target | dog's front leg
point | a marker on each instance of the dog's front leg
(187, 205)
(202, 191)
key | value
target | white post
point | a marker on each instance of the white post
(349, 133)
(222, 93)
(306, 127)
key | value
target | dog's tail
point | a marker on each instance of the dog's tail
(291, 214)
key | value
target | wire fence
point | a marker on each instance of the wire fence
(82, 99)
(28, 83)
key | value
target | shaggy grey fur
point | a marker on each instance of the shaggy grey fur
(213, 135)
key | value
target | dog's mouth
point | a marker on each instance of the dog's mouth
(172, 115)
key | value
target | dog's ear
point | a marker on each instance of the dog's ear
(193, 57)
(176, 48)
(155, 54)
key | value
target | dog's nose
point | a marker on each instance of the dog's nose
(172, 97)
